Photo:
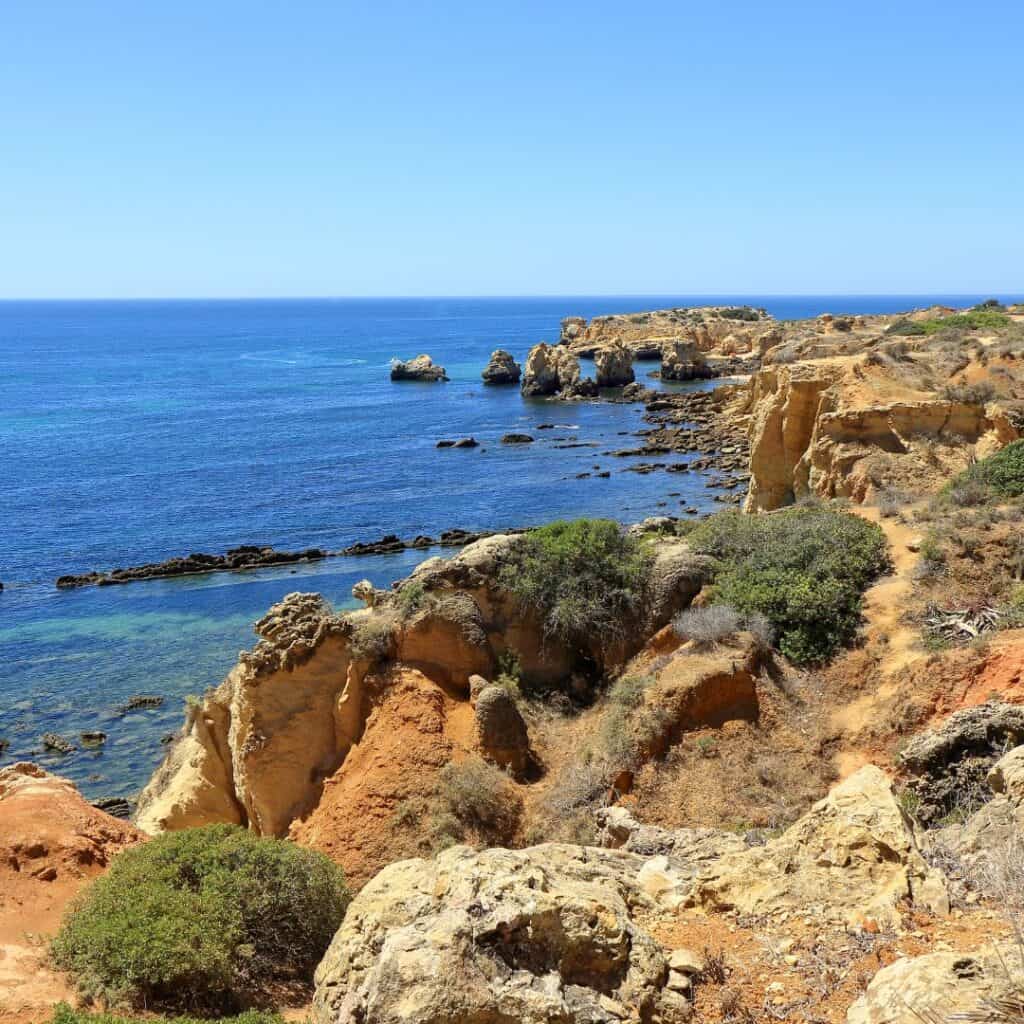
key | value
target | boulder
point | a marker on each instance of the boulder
(421, 368)
(682, 360)
(934, 987)
(517, 439)
(534, 936)
(502, 369)
(688, 849)
(501, 731)
(572, 327)
(549, 370)
(853, 857)
(614, 366)
(948, 765)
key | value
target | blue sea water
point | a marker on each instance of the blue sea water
(133, 431)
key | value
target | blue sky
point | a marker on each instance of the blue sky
(246, 149)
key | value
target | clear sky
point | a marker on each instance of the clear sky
(381, 148)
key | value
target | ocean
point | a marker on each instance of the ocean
(133, 431)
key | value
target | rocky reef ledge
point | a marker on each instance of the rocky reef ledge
(246, 556)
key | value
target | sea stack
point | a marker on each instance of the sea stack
(421, 368)
(502, 369)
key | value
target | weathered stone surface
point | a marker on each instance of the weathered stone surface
(681, 359)
(932, 987)
(549, 370)
(502, 369)
(501, 730)
(854, 855)
(949, 764)
(614, 366)
(422, 368)
(688, 849)
(534, 936)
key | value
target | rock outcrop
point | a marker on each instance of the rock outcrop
(614, 365)
(52, 845)
(248, 556)
(502, 369)
(948, 765)
(853, 857)
(532, 936)
(936, 987)
(260, 748)
(422, 368)
(846, 426)
(683, 360)
(549, 370)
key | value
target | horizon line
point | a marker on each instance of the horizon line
(521, 295)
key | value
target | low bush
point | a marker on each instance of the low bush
(707, 625)
(586, 579)
(371, 639)
(973, 320)
(746, 313)
(969, 394)
(64, 1014)
(203, 919)
(803, 568)
(476, 801)
(1002, 473)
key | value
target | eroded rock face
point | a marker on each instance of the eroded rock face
(682, 360)
(689, 849)
(853, 856)
(502, 369)
(421, 368)
(539, 935)
(949, 765)
(614, 366)
(832, 429)
(549, 370)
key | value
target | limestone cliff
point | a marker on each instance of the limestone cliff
(848, 427)
(259, 748)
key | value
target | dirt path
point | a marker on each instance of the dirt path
(884, 606)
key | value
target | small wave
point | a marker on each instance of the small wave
(259, 357)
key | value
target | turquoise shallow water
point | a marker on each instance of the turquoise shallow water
(134, 431)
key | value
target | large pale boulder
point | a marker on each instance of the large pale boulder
(533, 936)
(853, 856)
(549, 370)
(614, 366)
(933, 987)
(502, 369)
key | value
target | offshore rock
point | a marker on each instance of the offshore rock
(683, 360)
(502, 369)
(549, 370)
(614, 366)
(421, 368)
(246, 556)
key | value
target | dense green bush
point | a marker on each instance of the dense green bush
(804, 569)
(64, 1014)
(1001, 473)
(586, 579)
(981, 317)
(203, 919)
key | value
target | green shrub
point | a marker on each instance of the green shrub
(410, 598)
(1002, 473)
(974, 319)
(64, 1014)
(371, 638)
(803, 568)
(202, 919)
(585, 578)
